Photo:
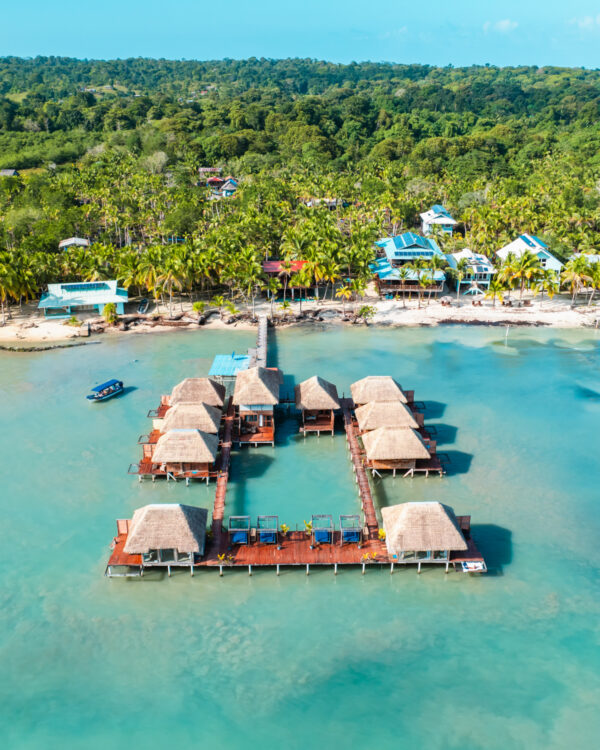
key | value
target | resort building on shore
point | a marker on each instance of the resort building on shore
(379, 388)
(73, 242)
(255, 394)
(426, 532)
(9, 173)
(395, 253)
(437, 217)
(165, 535)
(393, 448)
(64, 300)
(318, 401)
(275, 269)
(533, 244)
(590, 257)
(187, 453)
(378, 414)
(479, 269)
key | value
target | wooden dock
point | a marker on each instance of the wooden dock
(224, 462)
(364, 488)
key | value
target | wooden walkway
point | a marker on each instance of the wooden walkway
(258, 356)
(364, 488)
(224, 461)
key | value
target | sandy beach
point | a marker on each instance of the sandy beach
(26, 326)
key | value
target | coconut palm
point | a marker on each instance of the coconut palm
(495, 291)
(575, 276)
(344, 293)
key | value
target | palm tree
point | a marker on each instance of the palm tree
(285, 271)
(594, 272)
(273, 286)
(344, 293)
(461, 270)
(495, 291)
(546, 282)
(219, 302)
(575, 276)
(403, 275)
(527, 268)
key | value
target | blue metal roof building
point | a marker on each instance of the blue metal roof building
(386, 272)
(404, 248)
(227, 366)
(62, 300)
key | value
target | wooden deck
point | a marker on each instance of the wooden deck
(364, 488)
(224, 461)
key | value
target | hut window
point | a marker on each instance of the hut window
(150, 557)
(440, 554)
(424, 555)
(184, 556)
(167, 555)
(408, 555)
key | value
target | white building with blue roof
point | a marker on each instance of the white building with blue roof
(63, 300)
(437, 216)
(479, 269)
(531, 243)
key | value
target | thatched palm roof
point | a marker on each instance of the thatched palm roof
(198, 391)
(394, 444)
(192, 417)
(316, 393)
(420, 527)
(180, 527)
(186, 446)
(377, 388)
(257, 385)
(377, 414)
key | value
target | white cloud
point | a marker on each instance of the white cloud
(587, 23)
(394, 33)
(503, 27)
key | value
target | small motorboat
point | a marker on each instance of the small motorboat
(107, 390)
(143, 306)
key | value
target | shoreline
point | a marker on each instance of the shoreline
(27, 328)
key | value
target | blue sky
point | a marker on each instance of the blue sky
(462, 32)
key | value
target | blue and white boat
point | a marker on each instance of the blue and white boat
(107, 390)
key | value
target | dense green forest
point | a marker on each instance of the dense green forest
(111, 150)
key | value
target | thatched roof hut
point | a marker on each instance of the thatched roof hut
(316, 394)
(186, 447)
(198, 391)
(377, 388)
(257, 385)
(169, 526)
(377, 414)
(421, 527)
(394, 444)
(192, 417)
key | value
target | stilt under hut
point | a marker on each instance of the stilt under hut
(185, 453)
(393, 448)
(165, 535)
(378, 414)
(379, 388)
(426, 532)
(318, 401)
(255, 394)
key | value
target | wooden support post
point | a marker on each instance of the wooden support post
(391, 568)
(277, 568)
(220, 570)
(419, 567)
(192, 570)
(249, 570)
(307, 568)
(187, 481)
(140, 478)
(169, 569)
(363, 568)
(447, 565)
(335, 569)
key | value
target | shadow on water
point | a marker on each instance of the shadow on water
(586, 393)
(459, 462)
(128, 389)
(495, 544)
(444, 434)
(272, 347)
(434, 409)
(247, 464)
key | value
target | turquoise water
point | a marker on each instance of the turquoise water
(509, 660)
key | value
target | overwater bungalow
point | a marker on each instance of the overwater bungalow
(379, 388)
(185, 417)
(169, 535)
(318, 401)
(190, 391)
(393, 448)
(430, 533)
(377, 414)
(187, 454)
(255, 394)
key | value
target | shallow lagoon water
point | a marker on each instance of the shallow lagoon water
(507, 660)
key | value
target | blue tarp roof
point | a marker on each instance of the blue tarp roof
(108, 383)
(228, 365)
